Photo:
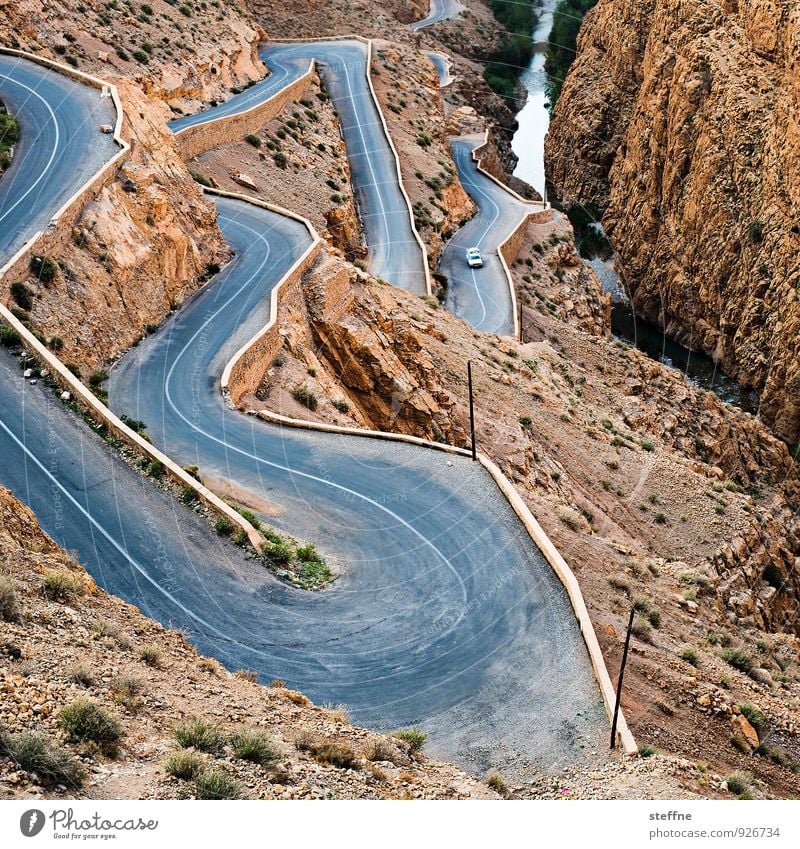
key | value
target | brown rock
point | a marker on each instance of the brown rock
(745, 729)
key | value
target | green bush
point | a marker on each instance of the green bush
(216, 784)
(309, 553)
(754, 716)
(184, 764)
(647, 751)
(189, 495)
(278, 553)
(32, 752)
(690, 655)
(305, 396)
(252, 518)
(196, 733)
(9, 338)
(254, 745)
(641, 628)
(22, 295)
(740, 659)
(200, 178)
(86, 722)
(240, 538)
(413, 737)
(253, 139)
(223, 526)
(97, 377)
(155, 469)
(740, 784)
(61, 586)
(44, 268)
(9, 136)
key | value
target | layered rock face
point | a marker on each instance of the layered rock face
(681, 121)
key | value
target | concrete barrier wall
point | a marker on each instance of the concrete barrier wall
(245, 370)
(479, 164)
(228, 129)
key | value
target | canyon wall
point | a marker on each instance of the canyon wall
(679, 120)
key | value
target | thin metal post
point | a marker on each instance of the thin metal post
(621, 676)
(471, 411)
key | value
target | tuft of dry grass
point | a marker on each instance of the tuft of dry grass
(61, 586)
(9, 608)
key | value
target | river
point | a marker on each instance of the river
(528, 145)
(534, 117)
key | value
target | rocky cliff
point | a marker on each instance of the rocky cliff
(680, 121)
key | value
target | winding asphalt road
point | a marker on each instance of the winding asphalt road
(446, 616)
(61, 146)
(439, 11)
(394, 253)
(481, 296)
(445, 602)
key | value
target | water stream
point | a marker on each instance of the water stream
(528, 145)
(534, 117)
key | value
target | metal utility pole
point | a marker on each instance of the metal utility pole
(621, 676)
(471, 411)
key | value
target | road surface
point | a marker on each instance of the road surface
(394, 253)
(481, 296)
(61, 146)
(440, 10)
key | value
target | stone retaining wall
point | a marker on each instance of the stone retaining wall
(228, 129)
(245, 370)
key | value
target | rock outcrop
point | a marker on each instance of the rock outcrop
(681, 122)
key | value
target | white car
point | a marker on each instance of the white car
(474, 258)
